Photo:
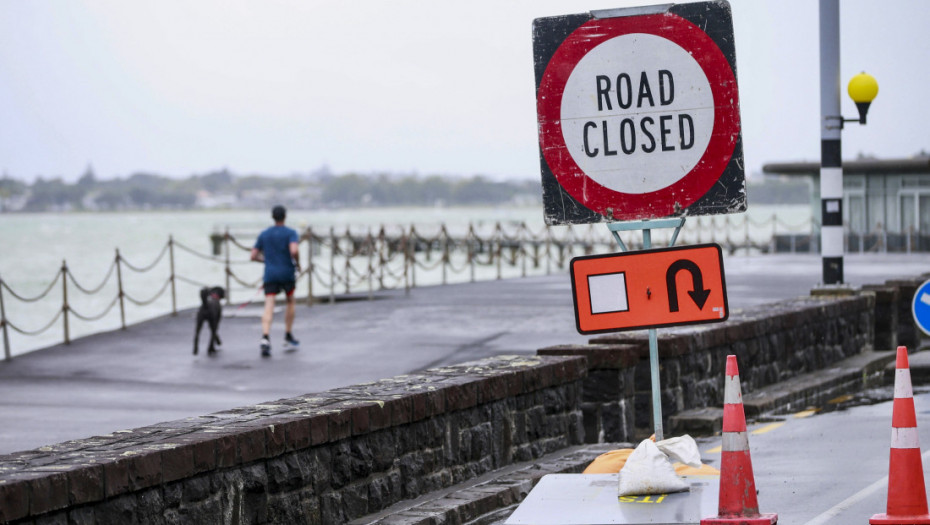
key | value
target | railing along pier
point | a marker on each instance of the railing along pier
(358, 261)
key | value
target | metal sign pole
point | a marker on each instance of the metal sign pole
(647, 226)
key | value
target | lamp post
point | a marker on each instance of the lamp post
(862, 88)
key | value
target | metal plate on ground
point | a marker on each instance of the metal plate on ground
(591, 499)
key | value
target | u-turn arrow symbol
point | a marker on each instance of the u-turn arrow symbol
(698, 294)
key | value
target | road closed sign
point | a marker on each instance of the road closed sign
(638, 113)
(649, 289)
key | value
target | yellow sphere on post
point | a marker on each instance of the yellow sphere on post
(863, 88)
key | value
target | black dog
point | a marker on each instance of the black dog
(211, 311)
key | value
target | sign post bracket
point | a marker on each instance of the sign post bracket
(646, 226)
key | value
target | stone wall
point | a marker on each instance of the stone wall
(772, 343)
(326, 458)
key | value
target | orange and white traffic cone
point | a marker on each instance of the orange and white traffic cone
(738, 504)
(907, 495)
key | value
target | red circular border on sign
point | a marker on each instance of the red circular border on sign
(713, 162)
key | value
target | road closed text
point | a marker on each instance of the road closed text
(646, 122)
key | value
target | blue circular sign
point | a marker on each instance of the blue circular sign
(921, 307)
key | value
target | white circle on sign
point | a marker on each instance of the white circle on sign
(637, 113)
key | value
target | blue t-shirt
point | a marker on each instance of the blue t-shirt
(274, 243)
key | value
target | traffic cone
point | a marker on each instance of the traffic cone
(907, 494)
(738, 504)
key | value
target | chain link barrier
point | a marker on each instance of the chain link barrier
(363, 262)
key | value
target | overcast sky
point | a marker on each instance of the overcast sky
(178, 87)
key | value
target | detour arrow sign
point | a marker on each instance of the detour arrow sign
(649, 289)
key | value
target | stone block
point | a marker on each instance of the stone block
(48, 492)
(460, 394)
(547, 375)
(674, 345)
(401, 409)
(532, 379)
(226, 455)
(85, 484)
(340, 422)
(319, 429)
(287, 508)
(116, 476)
(204, 449)
(286, 473)
(117, 510)
(250, 444)
(14, 498)
(177, 463)
(419, 405)
(195, 489)
(494, 388)
(82, 516)
(275, 440)
(379, 416)
(296, 429)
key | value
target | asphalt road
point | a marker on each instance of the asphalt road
(146, 374)
(825, 468)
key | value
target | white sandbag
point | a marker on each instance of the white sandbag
(649, 471)
(682, 449)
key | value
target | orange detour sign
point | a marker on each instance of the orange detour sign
(649, 289)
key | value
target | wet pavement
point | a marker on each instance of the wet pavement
(147, 374)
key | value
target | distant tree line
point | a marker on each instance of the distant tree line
(383, 190)
(223, 189)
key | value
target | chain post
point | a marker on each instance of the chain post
(382, 258)
(174, 292)
(309, 266)
(119, 282)
(548, 250)
(405, 241)
(228, 268)
(413, 256)
(64, 302)
(348, 258)
(332, 265)
(499, 251)
(3, 323)
(370, 248)
(746, 227)
(471, 240)
(445, 253)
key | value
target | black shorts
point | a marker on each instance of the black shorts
(274, 288)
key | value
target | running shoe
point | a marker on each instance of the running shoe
(290, 343)
(266, 347)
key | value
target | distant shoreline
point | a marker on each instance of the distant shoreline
(223, 190)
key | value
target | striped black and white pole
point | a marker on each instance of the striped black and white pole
(831, 161)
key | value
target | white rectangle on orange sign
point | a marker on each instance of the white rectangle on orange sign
(608, 293)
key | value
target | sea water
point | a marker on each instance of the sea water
(34, 247)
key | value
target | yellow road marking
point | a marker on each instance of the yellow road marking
(841, 399)
(807, 413)
(767, 428)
